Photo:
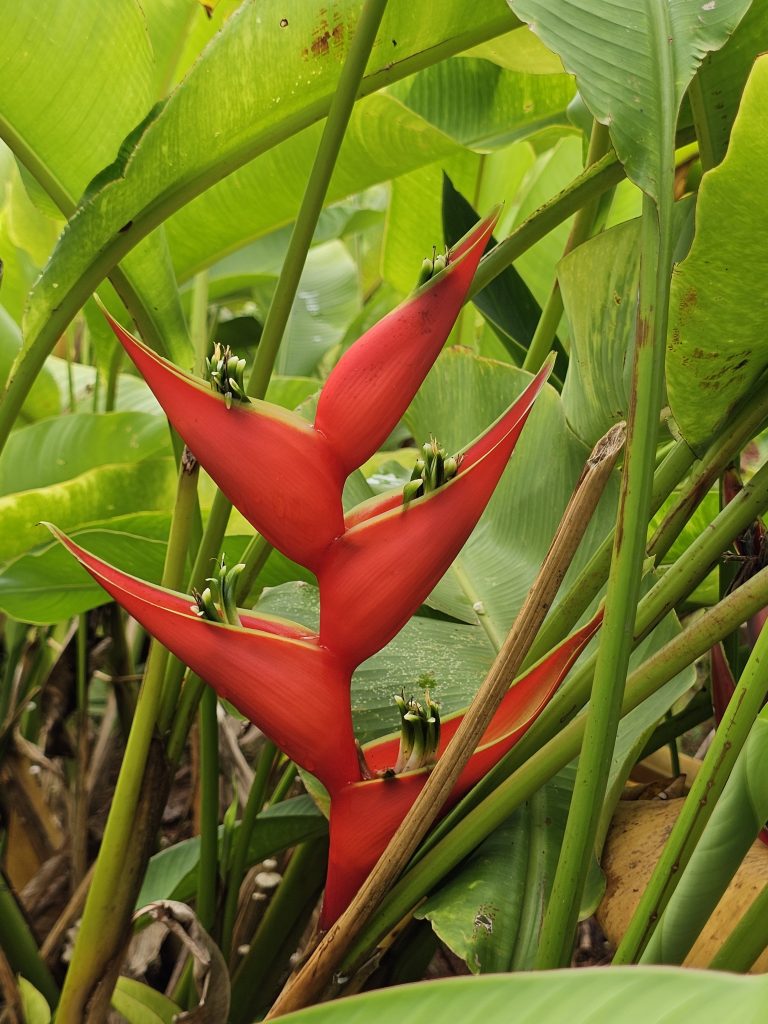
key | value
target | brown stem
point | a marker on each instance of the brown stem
(308, 984)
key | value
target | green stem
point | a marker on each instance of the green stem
(677, 582)
(19, 946)
(589, 185)
(616, 640)
(284, 784)
(553, 756)
(208, 748)
(252, 808)
(747, 940)
(731, 735)
(583, 223)
(301, 884)
(254, 559)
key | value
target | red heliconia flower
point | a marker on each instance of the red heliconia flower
(366, 815)
(406, 550)
(274, 671)
(285, 475)
(374, 567)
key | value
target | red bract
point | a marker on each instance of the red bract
(285, 475)
(273, 671)
(374, 567)
(366, 815)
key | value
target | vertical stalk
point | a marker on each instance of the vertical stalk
(80, 810)
(20, 948)
(208, 761)
(252, 808)
(583, 222)
(616, 640)
(110, 898)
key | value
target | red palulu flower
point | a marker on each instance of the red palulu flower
(286, 476)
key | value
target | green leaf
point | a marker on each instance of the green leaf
(718, 344)
(34, 1005)
(721, 79)
(489, 911)
(633, 62)
(43, 397)
(184, 149)
(172, 872)
(59, 449)
(632, 995)
(47, 585)
(109, 490)
(140, 1004)
(65, 121)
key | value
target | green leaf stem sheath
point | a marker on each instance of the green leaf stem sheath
(616, 639)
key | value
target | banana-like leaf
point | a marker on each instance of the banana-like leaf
(633, 62)
(717, 348)
(630, 994)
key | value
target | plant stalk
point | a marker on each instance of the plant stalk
(616, 641)
(747, 940)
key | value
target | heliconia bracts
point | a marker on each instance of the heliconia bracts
(286, 476)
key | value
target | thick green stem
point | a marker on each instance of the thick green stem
(616, 638)
(731, 735)
(744, 424)
(677, 582)
(538, 769)
(587, 585)
(208, 760)
(583, 222)
(19, 946)
(252, 808)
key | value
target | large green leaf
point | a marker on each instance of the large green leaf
(59, 449)
(631, 995)
(140, 1004)
(65, 120)
(599, 282)
(223, 115)
(109, 490)
(43, 398)
(721, 79)
(633, 62)
(47, 585)
(718, 342)
(486, 584)
(489, 911)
